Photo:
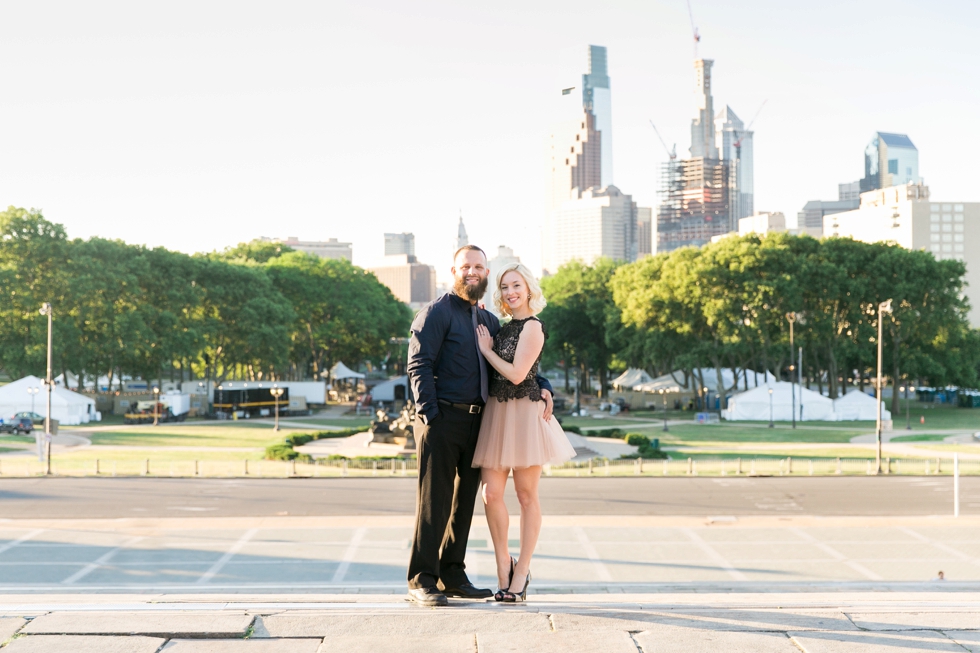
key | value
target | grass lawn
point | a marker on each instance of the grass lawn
(193, 435)
(924, 437)
(732, 432)
(938, 416)
(950, 449)
(749, 452)
(92, 454)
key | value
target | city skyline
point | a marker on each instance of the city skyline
(199, 133)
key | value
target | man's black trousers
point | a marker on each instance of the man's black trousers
(448, 485)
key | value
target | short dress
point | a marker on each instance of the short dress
(514, 433)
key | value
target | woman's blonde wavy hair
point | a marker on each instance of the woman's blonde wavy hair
(537, 301)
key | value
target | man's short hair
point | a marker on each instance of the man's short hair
(469, 247)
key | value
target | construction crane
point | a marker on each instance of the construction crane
(694, 29)
(671, 153)
(742, 133)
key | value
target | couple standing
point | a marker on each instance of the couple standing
(475, 425)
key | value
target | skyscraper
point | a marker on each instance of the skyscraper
(603, 222)
(596, 99)
(461, 238)
(890, 160)
(703, 126)
(403, 243)
(735, 145)
(695, 204)
(699, 195)
(588, 217)
(574, 159)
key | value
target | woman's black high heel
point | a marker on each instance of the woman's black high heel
(499, 595)
(512, 597)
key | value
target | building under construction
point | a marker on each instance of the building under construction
(705, 195)
(695, 202)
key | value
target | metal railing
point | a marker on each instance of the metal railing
(701, 466)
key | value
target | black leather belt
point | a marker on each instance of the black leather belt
(472, 409)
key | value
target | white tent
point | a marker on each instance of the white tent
(341, 371)
(69, 408)
(668, 383)
(387, 391)
(857, 405)
(631, 377)
(754, 404)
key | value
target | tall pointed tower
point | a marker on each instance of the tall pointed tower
(703, 127)
(597, 101)
(461, 238)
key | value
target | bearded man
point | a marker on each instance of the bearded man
(448, 375)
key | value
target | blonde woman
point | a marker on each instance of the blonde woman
(514, 434)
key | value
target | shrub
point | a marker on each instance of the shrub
(606, 433)
(637, 439)
(645, 448)
(281, 451)
(343, 433)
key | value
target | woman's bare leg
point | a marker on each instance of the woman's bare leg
(494, 482)
(526, 485)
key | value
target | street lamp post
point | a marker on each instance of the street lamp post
(156, 406)
(908, 415)
(46, 310)
(883, 307)
(276, 392)
(791, 317)
(771, 425)
(663, 395)
(33, 392)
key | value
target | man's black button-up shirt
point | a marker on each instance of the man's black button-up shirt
(443, 359)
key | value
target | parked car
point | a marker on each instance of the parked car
(21, 425)
(36, 419)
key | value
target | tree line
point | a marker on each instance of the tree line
(725, 306)
(256, 311)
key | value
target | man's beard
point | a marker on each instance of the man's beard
(470, 292)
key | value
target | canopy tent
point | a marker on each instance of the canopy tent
(69, 408)
(676, 383)
(341, 371)
(631, 377)
(392, 389)
(857, 405)
(754, 404)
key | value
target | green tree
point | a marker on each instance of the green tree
(341, 312)
(581, 318)
(33, 253)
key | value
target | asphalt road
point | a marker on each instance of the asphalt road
(66, 498)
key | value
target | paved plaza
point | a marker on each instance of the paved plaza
(756, 577)
(743, 621)
(370, 554)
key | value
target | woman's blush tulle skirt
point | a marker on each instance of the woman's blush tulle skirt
(514, 434)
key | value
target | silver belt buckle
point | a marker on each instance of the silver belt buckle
(475, 410)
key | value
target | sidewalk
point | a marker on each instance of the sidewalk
(823, 621)
(617, 584)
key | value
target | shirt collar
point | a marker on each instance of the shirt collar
(462, 303)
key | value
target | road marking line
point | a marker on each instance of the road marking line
(20, 540)
(223, 560)
(939, 545)
(101, 560)
(590, 551)
(713, 554)
(835, 554)
(355, 541)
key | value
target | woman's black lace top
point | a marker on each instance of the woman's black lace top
(505, 346)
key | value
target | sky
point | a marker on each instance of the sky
(199, 125)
